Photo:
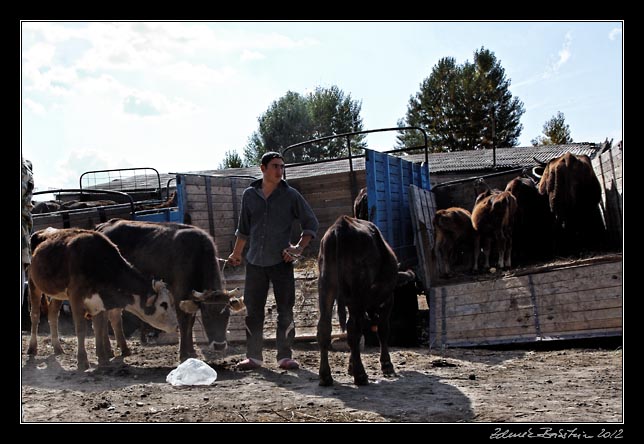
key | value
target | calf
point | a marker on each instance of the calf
(359, 270)
(86, 268)
(493, 217)
(452, 230)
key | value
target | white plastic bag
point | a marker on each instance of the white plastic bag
(192, 372)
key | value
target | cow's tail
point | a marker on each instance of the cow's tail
(339, 294)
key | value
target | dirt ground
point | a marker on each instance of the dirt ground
(574, 382)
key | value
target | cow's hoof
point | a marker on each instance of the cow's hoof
(82, 366)
(361, 379)
(32, 351)
(186, 357)
(388, 370)
(326, 382)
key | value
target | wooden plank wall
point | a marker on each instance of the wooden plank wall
(462, 194)
(330, 196)
(566, 303)
(608, 168)
(213, 203)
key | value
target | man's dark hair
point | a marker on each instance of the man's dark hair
(267, 157)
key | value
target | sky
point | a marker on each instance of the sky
(176, 96)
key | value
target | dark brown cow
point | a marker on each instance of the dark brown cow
(574, 194)
(453, 231)
(493, 218)
(191, 272)
(86, 268)
(532, 234)
(359, 270)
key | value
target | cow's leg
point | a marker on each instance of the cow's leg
(477, 251)
(186, 345)
(116, 320)
(354, 332)
(508, 248)
(52, 317)
(327, 297)
(34, 299)
(383, 336)
(500, 246)
(78, 313)
(487, 247)
(103, 347)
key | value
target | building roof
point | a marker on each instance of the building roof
(452, 162)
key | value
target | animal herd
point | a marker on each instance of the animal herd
(558, 214)
(165, 272)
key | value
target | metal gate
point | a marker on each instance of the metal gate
(388, 181)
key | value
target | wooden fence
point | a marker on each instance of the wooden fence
(608, 168)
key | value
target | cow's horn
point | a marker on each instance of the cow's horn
(198, 296)
(540, 163)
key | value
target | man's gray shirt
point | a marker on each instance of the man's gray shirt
(266, 223)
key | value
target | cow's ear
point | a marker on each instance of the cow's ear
(149, 302)
(188, 306)
(158, 285)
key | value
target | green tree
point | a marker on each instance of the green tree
(232, 159)
(555, 132)
(464, 107)
(294, 118)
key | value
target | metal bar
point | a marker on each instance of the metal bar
(79, 190)
(80, 180)
(355, 133)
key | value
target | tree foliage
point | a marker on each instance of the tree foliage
(294, 118)
(555, 132)
(232, 159)
(464, 107)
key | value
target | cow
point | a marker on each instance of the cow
(86, 268)
(574, 194)
(453, 233)
(191, 272)
(532, 234)
(493, 218)
(359, 270)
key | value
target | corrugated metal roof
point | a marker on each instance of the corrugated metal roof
(479, 160)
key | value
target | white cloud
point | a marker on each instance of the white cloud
(563, 56)
(251, 55)
(33, 107)
(615, 33)
(197, 73)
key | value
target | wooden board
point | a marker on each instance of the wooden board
(423, 208)
(573, 302)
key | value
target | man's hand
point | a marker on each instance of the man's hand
(292, 253)
(234, 259)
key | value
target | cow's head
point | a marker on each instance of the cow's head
(157, 308)
(215, 306)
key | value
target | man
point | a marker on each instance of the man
(26, 221)
(269, 207)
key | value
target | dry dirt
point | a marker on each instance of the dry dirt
(556, 383)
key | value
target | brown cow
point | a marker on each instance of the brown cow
(493, 217)
(574, 194)
(86, 268)
(359, 270)
(453, 231)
